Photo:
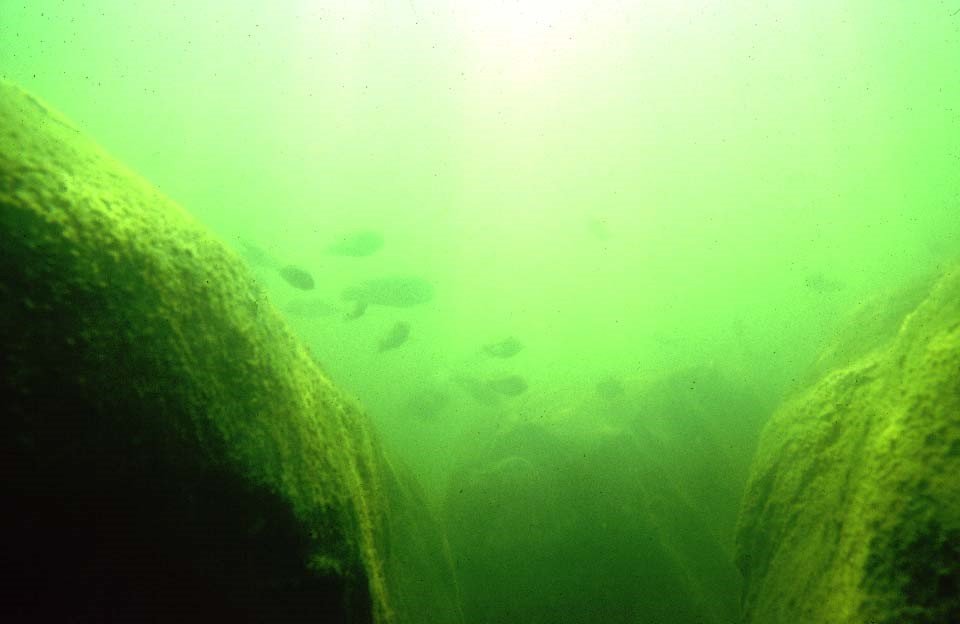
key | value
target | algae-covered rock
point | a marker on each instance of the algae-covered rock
(869, 326)
(853, 510)
(169, 450)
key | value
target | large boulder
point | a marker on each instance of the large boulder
(169, 450)
(852, 514)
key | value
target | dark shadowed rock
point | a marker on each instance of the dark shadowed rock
(550, 527)
(170, 452)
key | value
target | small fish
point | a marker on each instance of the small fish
(297, 277)
(257, 256)
(506, 348)
(610, 388)
(819, 283)
(394, 292)
(315, 307)
(357, 245)
(427, 404)
(477, 389)
(598, 228)
(508, 385)
(394, 338)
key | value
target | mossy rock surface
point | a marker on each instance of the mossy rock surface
(852, 514)
(170, 451)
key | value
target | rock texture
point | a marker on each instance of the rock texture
(853, 511)
(169, 450)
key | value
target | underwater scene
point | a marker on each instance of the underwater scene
(481, 311)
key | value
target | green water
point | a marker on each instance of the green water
(627, 189)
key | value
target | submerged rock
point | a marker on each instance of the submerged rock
(550, 527)
(853, 510)
(170, 451)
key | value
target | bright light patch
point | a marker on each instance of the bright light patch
(525, 40)
(518, 40)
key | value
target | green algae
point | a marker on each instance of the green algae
(152, 378)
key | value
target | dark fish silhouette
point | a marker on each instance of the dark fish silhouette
(297, 277)
(508, 385)
(315, 307)
(427, 404)
(358, 244)
(477, 389)
(396, 337)
(610, 388)
(819, 283)
(506, 348)
(395, 292)
(257, 256)
(598, 228)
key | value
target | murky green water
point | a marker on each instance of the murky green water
(479, 214)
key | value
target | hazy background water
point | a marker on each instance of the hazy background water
(626, 187)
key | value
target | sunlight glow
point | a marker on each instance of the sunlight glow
(522, 40)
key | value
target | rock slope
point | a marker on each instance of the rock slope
(852, 514)
(169, 450)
